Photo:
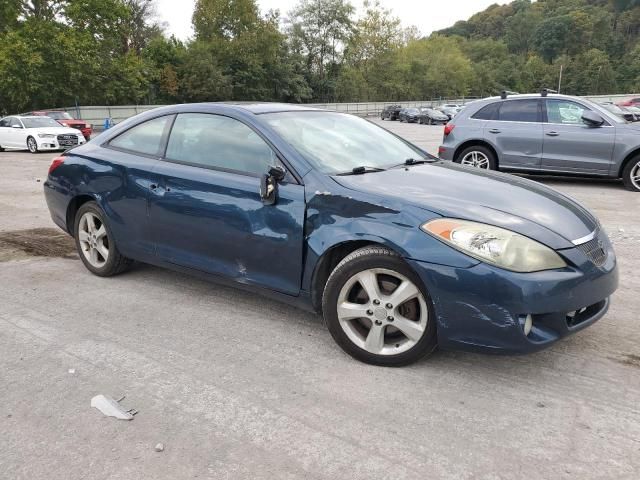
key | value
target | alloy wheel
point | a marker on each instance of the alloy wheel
(93, 238)
(32, 145)
(476, 159)
(382, 311)
(635, 175)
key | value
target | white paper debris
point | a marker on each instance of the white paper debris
(160, 447)
(109, 407)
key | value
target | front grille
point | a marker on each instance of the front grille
(67, 140)
(595, 251)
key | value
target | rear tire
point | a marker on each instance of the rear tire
(95, 243)
(477, 156)
(406, 326)
(631, 175)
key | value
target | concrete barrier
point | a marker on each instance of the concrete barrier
(97, 114)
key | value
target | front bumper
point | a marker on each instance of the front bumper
(52, 144)
(483, 308)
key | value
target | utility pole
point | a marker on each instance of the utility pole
(560, 79)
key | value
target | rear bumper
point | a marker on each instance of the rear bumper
(483, 308)
(445, 153)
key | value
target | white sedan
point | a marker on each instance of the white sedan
(37, 134)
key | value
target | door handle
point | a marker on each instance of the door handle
(553, 134)
(494, 130)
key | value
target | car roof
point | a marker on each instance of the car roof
(258, 108)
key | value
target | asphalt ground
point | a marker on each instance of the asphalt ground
(239, 387)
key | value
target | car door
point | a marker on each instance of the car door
(570, 145)
(207, 214)
(516, 133)
(4, 132)
(14, 135)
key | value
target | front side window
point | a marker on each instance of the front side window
(519, 111)
(145, 138)
(219, 142)
(564, 111)
(5, 122)
(13, 121)
(59, 115)
(337, 143)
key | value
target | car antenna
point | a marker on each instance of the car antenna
(545, 91)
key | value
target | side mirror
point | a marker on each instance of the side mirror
(269, 184)
(592, 119)
(16, 126)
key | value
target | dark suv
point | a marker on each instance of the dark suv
(391, 112)
(554, 134)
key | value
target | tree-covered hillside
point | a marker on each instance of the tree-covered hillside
(522, 45)
(57, 52)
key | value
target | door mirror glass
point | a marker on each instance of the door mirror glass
(269, 184)
(592, 119)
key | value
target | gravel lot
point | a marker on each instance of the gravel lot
(236, 386)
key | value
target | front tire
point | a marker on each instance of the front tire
(631, 175)
(32, 145)
(95, 243)
(377, 310)
(477, 156)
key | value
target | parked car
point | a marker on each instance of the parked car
(622, 112)
(430, 116)
(63, 118)
(37, 134)
(409, 115)
(334, 214)
(635, 111)
(450, 109)
(391, 112)
(556, 134)
(630, 103)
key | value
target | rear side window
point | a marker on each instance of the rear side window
(520, 111)
(145, 138)
(215, 141)
(488, 112)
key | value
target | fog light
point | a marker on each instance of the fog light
(528, 324)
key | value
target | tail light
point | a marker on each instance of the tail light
(448, 128)
(55, 164)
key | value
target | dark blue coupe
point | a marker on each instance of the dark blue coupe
(399, 251)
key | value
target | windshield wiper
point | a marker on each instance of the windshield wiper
(413, 161)
(362, 170)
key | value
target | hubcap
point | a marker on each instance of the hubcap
(635, 176)
(382, 311)
(94, 242)
(476, 159)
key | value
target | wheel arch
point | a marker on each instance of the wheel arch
(630, 156)
(72, 209)
(476, 142)
(328, 261)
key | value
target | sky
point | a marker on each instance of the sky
(427, 15)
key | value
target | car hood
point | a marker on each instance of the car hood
(55, 130)
(507, 201)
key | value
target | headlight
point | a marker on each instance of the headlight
(500, 247)
(46, 135)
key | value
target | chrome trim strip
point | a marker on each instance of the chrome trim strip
(586, 238)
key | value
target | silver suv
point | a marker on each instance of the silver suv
(554, 134)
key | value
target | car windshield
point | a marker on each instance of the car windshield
(412, 110)
(338, 143)
(605, 112)
(39, 122)
(59, 115)
(430, 111)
